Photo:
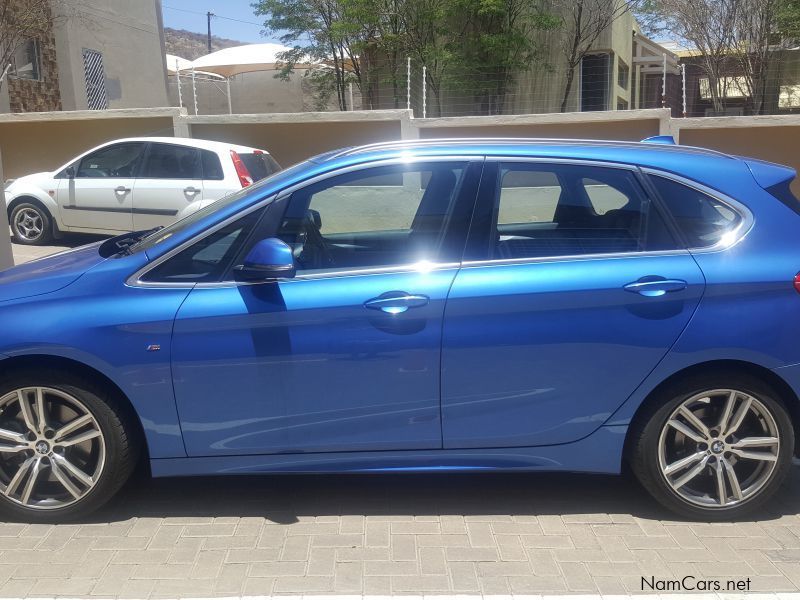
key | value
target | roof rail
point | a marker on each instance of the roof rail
(654, 142)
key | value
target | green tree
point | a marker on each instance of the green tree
(499, 42)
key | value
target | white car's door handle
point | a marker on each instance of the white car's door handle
(121, 189)
(191, 190)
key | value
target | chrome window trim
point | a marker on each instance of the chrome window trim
(741, 230)
(585, 162)
(573, 258)
(396, 269)
(135, 280)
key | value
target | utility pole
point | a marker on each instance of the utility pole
(209, 15)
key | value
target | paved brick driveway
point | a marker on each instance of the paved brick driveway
(404, 534)
(490, 534)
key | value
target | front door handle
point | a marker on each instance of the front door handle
(395, 303)
(655, 287)
(191, 190)
(121, 189)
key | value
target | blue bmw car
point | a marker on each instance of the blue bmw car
(516, 305)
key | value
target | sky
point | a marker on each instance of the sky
(236, 20)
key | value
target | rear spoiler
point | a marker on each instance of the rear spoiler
(775, 179)
(769, 174)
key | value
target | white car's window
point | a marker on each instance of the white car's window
(212, 168)
(165, 161)
(119, 160)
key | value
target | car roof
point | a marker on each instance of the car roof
(193, 142)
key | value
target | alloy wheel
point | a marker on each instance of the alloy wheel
(719, 448)
(52, 451)
(29, 224)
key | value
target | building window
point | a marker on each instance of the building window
(789, 96)
(727, 87)
(96, 97)
(622, 104)
(623, 74)
(25, 61)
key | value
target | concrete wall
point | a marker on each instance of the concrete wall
(293, 137)
(127, 34)
(772, 138)
(611, 125)
(35, 142)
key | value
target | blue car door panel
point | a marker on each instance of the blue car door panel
(346, 355)
(305, 366)
(574, 292)
(562, 344)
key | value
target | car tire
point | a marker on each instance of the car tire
(31, 224)
(710, 437)
(77, 460)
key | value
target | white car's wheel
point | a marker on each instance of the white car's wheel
(30, 224)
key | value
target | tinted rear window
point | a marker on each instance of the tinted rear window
(702, 219)
(260, 165)
(212, 168)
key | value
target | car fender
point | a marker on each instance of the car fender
(22, 189)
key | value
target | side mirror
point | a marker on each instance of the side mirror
(268, 259)
(70, 172)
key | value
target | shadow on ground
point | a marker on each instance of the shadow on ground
(285, 498)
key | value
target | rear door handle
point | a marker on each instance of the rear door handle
(395, 303)
(653, 288)
(121, 189)
(191, 190)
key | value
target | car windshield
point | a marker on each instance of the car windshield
(160, 235)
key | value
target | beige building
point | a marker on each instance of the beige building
(96, 54)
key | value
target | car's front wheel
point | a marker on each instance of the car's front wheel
(66, 447)
(714, 448)
(30, 224)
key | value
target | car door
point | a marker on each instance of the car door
(215, 185)
(169, 185)
(572, 290)
(100, 195)
(345, 356)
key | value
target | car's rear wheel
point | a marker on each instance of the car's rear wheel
(30, 224)
(65, 447)
(714, 448)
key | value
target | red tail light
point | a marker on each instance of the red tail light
(241, 170)
(797, 282)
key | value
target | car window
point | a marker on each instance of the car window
(212, 167)
(207, 259)
(565, 210)
(119, 160)
(703, 220)
(380, 216)
(165, 161)
(259, 164)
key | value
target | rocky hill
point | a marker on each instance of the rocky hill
(191, 45)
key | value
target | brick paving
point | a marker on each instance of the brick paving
(407, 534)
(468, 534)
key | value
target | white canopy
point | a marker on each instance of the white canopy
(241, 59)
(176, 63)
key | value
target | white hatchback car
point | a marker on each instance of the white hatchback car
(130, 185)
